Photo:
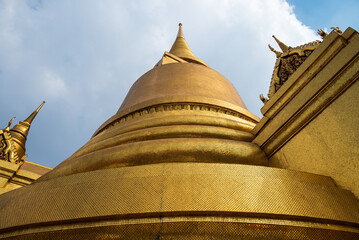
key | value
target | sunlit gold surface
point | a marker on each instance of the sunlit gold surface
(13, 176)
(178, 132)
(310, 123)
(181, 80)
(335, 153)
(181, 192)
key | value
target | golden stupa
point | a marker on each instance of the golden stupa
(184, 159)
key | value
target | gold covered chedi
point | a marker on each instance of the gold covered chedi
(176, 112)
(177, 162)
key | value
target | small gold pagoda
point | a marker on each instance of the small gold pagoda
(184, 159)
(15, 170)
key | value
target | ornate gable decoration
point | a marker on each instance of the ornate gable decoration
(289, 60)
(287, 63)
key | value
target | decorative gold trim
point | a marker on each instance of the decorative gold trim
(175, 107)
(114, 221)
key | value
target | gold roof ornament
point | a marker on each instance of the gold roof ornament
(287, 63)
(337, 30)
(20, 131)
(278, 54)
(7, 149)
(322, 33)
(281, 45)
(9, 124)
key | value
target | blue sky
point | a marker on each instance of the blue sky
(327, 13)
(82, 57)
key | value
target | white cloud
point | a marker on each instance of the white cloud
(53, 86)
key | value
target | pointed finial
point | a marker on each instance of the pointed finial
(263, 99)
(12, 119)
(33, 115)
(278, 54)
(180, 48)
(180, 32)
(281, 45)
(9, 124)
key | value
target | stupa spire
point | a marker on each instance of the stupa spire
(33, 115)
(180, 51)
(180, 32)
(180, 48)
(20, 131)
(280, 44)
(23, 126)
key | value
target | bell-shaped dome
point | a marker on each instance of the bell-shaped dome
(180, 82)
(181, 77)
(181, 90)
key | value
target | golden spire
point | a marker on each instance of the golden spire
(180, 48)
(33, 115)
(281, 45)
(20, 131)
